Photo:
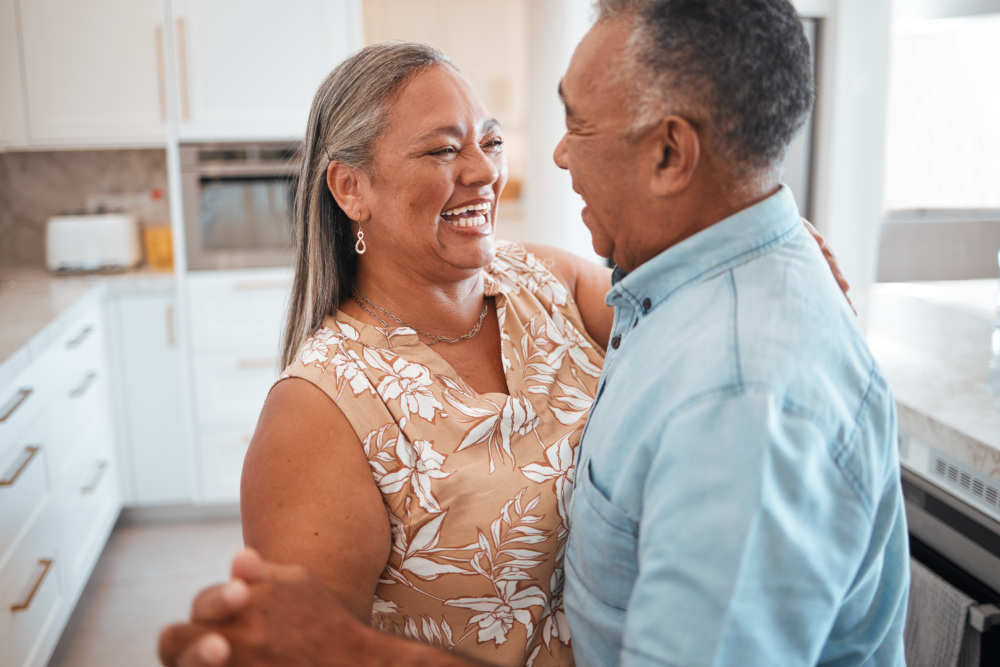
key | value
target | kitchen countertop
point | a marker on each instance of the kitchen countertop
(932, 341)
(33, 301)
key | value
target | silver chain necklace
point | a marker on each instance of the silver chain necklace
(434, 339)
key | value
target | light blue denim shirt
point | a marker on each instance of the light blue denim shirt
(737, 497)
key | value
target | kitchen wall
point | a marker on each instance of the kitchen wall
(37, 185)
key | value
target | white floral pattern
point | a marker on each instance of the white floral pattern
(476, 486)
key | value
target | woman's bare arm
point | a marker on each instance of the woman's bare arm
(308, 496)
(587, 282)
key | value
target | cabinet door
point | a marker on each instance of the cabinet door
(158, 452)
(93, 71)
(11, 107)
(248, 69)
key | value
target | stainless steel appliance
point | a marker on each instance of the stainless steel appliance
(238, 203)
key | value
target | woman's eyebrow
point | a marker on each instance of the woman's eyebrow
(458, 131)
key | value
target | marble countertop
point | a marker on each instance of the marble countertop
(932, 341)
(33, 300)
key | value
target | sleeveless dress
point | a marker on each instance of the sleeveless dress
(476, 485)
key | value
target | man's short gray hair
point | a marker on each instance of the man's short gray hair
(742, 66)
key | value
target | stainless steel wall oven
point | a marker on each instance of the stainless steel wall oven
(238, 203)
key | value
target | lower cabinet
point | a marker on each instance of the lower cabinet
(59, 494)
(235, 329)
(156, 447)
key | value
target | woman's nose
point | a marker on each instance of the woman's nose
(481, 168)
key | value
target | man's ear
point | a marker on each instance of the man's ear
(676, 148)
(347, 185)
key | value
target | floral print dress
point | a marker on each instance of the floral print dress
(476, 485)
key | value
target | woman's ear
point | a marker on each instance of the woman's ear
(676, 152)
(347, 185)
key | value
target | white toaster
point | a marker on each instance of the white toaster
(96, 242)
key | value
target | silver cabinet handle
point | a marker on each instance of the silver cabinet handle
(82, 336)
(182, 68)
(253, 285)
(84, 385)
(13, 404)
(161, 73)
(44, 565)
(246, 364)
(102, 467)
(19, 465)
(171, 331)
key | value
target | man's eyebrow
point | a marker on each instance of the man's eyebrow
(458, 132)
(562, 98)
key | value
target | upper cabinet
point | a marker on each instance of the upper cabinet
(248, 69)
(117, 73)
(93, 71)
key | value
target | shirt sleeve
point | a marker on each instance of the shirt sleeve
(749, 538)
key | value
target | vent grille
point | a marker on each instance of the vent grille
(967, 482)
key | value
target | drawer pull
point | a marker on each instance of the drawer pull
(255, 285)
(247, 364)
(19, 398)
(44, 565)
(82, 336)
(84, 385)
(21, 463)
(102, 468)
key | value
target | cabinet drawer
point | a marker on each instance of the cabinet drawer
(222, 455)
(22, 401)
(80, 346)
(24, 494)
(80, 413)
(229, 389)
(33, 602)
(86, 508)
(243, 312)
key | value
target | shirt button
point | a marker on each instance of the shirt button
(616, 341)
(646, 305)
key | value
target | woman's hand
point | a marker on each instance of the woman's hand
(831, 259)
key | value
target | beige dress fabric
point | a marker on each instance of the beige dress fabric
(476, 485)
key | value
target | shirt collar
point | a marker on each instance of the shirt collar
(725, 244)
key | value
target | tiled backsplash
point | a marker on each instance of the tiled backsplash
(37, 185)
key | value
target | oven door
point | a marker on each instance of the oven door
(237, 215)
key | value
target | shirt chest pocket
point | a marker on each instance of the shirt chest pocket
(602, 548)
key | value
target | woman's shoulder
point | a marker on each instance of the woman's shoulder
(516, 268)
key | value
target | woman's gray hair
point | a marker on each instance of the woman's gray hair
(742, 66)
(349, 113)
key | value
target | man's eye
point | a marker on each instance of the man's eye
(448, 150)
(494, 144)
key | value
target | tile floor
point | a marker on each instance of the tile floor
(146, 577)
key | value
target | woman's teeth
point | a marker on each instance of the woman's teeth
(467, 216)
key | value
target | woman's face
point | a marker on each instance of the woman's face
(438, 172)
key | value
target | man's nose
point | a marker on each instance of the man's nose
(560, 154)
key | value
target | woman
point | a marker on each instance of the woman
(417, 452)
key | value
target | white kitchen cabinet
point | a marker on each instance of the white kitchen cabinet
(235, 321)
(11, 106)
(93, 71)
(248, 69)
(155, 443)
(59, 495)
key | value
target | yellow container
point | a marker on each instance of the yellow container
(159, 247)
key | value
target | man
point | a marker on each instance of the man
(737, 495)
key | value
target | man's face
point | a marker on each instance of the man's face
(601, 161)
